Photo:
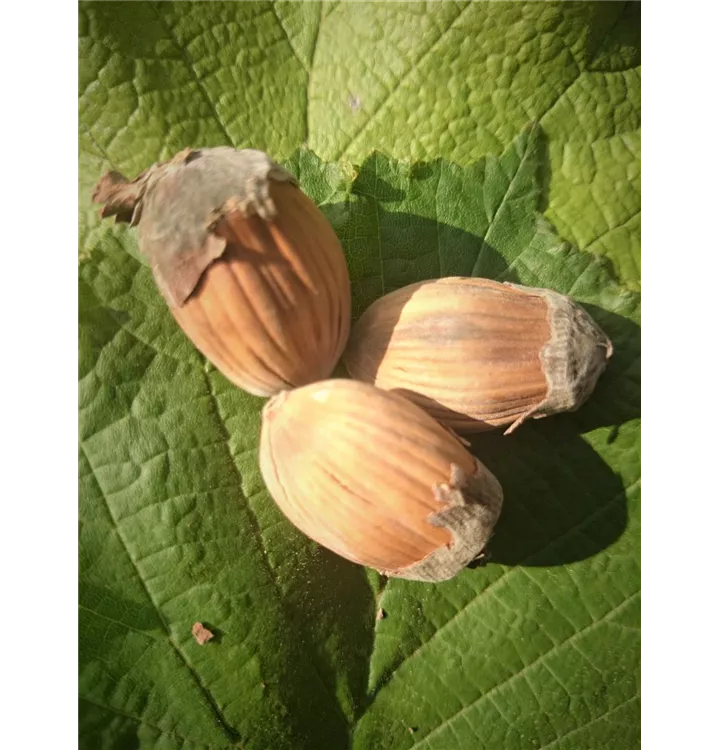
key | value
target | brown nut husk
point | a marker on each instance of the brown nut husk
(250, 267)
(478, 354)
(374, 478)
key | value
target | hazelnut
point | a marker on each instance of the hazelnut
(374, 478)
(250, 267)
(477, 354)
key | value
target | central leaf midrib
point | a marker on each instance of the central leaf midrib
(256, 530)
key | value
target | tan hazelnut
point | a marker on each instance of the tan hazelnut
(374, 478)
(477, 354)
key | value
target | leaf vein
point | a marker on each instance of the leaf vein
(398, 84)
(118, 622)
(258, 534)
(193, 72)
(229, 731)
(289, 41)
(611, 229)
(322, 16)
(593, 721)
(146, 723)
(522, 672)
(509, 572)
(504, 199)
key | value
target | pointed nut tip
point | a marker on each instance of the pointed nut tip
(102, 190)
(183, 156)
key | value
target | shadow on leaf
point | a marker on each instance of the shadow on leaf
(563, 503)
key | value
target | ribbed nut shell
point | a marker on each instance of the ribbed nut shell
(249, 266)
(374, 478)
(273, 312)
(478, 354)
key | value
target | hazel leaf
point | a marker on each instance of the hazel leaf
(500, 140)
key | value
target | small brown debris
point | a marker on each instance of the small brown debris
(201, 634)
(380, 615)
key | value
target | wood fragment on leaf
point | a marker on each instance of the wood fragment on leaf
(201, 634)
(380, 615)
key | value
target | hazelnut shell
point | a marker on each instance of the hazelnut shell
(478, 354)
(374, 478)
(250, 268)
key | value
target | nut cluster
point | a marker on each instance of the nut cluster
(371, 468)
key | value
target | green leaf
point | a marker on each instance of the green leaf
(539, 648)
(416, 82)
